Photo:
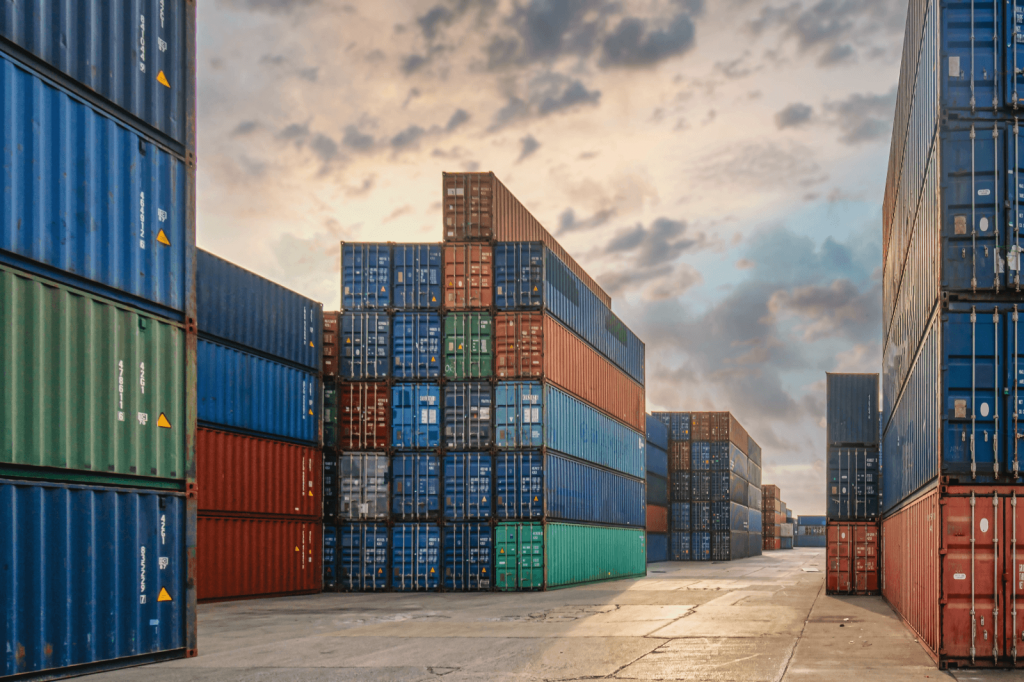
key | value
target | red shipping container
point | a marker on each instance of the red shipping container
(954, 572)
(772, 543)
(331, 357)
(852, 558)
(477, 206)
(364, 416)
(679, 455)
(239, 558)
(255, 476)
(535, 345)
(657, 519)
(770, 492)
(468, 276)
(700, 426)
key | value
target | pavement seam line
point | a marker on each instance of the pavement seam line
(792, 652)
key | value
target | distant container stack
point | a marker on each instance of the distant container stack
(97, 345)
(482, 385)
(657, 490)
(810, 531)
(773, 515)
(258, 446)
(714, 470)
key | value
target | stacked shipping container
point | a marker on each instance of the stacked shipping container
(810, 531)
(97, 341)
(714, 472)
(951, 293)
(258, 444)
(657, 490)
(773, 518)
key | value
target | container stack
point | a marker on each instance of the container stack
(951, 378)
(714, 487)
(773, 515)
(657, 490)
(258, 445)
(810, 531)
(97, 345)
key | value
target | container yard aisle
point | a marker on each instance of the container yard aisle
(762, 618)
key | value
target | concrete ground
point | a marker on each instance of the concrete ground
(760, 619)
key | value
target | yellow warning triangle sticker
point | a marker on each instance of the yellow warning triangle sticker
(311, 413)
(162, 238)
(162, 80)
(311, 345)
(460, 346)
(382, 288)
(380, 570)
(433, 359)
(535, 499)
(164, 595)
(535, 288)
(311, 493)
(433, 299)
(296, 549)
(431, 570)
(162, 421)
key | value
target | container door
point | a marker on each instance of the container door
(1013, 575)
(970, 576)
(1013, 55)
(531, 574)
(506, 551)
(1014, 382)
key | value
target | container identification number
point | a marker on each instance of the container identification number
(120, 390)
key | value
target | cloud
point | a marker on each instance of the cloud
(311, 74)
(274, 6)
(546, 94)
(245, 127)
(662, 242)
(863, 117)
(529, 146)
(544, 30)
(356, 140)
(838, 309)
(635, 44)
(408, 138)
(567, 222)
(413, 63)
(458, 118)
(762, 164)
(793, 116)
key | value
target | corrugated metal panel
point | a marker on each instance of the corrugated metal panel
(851, 409)
(575, 491)
(133, 53)
(364, 416)
(683, 483)
(363, 491)
(88, 385)
(754, 452)
(700, 516)
(330, 343)
(853, 556)
(365, 276)
(534, 345)
(416, 276)
(519, 485)
(365, 352)
(416, 345)
(330, 558)
(679, 546)
(678, 424)
(479, 206)
(89, 201)
(363, 553)
(246, 475)
(754, 474)
(568, 426)
(519, 556)
(754, 541)
(700, 546)
(854, 485)
(679, 457)
(729, 545)
(247, 557)
(468, 276)
(244, 309)
(468, 346)
(467, 415)
(657, 489)
(657, 547)
(553, 287)
(330, 415)
(576, 554)
(467, 556)
(468, 481)
(754, 496)
(415, 557)
(243, 391)
(657, 431)
(415, 416)
(85, 570)
(680, 515)
(415, 486)
(755, 521)
(657, 460)
(656, 518)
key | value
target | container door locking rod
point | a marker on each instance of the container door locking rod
(974, 622)
(974, 373)
(995, 430)
(995, 577)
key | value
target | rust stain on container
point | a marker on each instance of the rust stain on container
(468, 276)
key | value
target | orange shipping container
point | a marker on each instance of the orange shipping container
(657, 519)
(852, 563)
(679, 455)
(256, 476)
(534, 345)
(329, 366)
(468, 276)
(772, 543)
(477, 206)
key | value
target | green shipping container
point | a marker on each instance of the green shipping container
(577, 554)
(91, 388)
(468, 346)
(519, 554)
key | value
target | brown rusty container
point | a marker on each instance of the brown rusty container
(364, 416)
(329, 366)
(657, 519)
(477, 207)
(679, 455)
(771, 543)
(468, 276)
(771, 492)
(853, 558)
(534, 345)
(722, 426)
(700, 426)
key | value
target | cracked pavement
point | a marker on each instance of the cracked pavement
(760, 619)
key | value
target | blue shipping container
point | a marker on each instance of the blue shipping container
(416, 346)
(657, 432)
(416, 277)
(415, 486)
(87, 201)
(700, 485)
(683, 484)
(527, 413)
(102, 45)
(755, 520)
(657, 460)
(678, 424)
(518, 485)
(575, 491)
(700, 455)
(851, 409)
(754, 495)
(330, 558)
(657, 547)
(680, 546)
(657, 490)
(90, 575)
(363, 550)
(812, 520)
(753, 452)
(529, 276)
(738, 462)
(415, 416)
(468, 556)
(244, 309)
(245, 392)
(810, 541)
(700, 546)
(700, 516)
(854, 488)
(468, 481)
(365, 276)
(365, 352)
(679, 516)
(467, 415)
(415, 557)
(754, 474)
(786, 543)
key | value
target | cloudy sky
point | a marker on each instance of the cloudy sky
(717, 165)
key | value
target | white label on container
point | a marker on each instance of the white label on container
(485, 413)
(142, 377)
(959, 576)
(433, 416)
(164, 562)
(142, 220)
(983, 525)
(364, 508)
(535, 415)
(983, 409)
(954, 67)
(143, 418)
(984, 193)
(142, 574)
(154, 621)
